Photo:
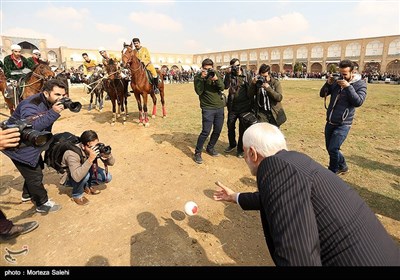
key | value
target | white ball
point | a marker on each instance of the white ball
(191, 208)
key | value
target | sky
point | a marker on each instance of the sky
(195, 27)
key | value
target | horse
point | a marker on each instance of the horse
(96, 89)
(3, 87)
(35, 80)
(115, 88)
(141, 85)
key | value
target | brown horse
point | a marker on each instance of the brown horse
(115, 88)
(3, 86)
(141, 85)
(35, 80)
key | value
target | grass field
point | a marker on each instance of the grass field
(372, 148)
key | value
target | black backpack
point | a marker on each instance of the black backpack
(62, 142)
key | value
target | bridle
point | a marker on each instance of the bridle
(130, 57)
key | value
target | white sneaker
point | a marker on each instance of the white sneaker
(49, 206)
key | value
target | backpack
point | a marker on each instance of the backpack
(62, 142)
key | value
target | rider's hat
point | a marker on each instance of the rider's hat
(102, 49)
(15, 47)
(36, 52)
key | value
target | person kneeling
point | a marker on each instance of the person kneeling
(82, 170)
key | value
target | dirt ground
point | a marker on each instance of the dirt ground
(138, 218)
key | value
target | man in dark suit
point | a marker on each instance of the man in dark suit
(310, 216)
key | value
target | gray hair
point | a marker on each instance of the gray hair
(265, 138)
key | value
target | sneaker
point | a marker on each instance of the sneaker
(212, 152)
(229, 149)
(49, 206)
(197, 158)
(17, 230)
(343, 170)
(26, 198)
(240, 154)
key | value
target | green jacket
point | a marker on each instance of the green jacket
(209, 91)
(10, 66)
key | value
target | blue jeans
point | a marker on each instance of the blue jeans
(211, 118)
(78, 187)
(334, 138)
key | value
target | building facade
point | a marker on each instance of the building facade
(380, 54)
(373, 54)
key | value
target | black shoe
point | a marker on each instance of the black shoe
(240, 154)
(107, 97)
(343, 170)
(229, 149)
(17, 230)
(197, 158)
(212, 152)
(128, 93)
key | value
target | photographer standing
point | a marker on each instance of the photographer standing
(347, 92)
(237, 80)
(209, 85)
(267, 97)
(10, 138)
(82, 170)
(41, 111)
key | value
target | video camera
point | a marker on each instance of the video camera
(260, 81)
(210, 73)
(29, 136)
(235, 70)
(103, 149)
(72, 106)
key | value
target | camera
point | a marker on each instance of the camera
(29, 136)
(72, 106)
(234, 70)
(337, 76)
(260, 81)
(210, 73)
(103, 149)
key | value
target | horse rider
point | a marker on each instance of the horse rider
(16, 66)
(89, 65)
(106, 57)
(144, 56)
(35, 58)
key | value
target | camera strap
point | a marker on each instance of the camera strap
(95, 172)
(265, 105)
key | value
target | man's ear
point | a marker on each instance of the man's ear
(46, 93)
(253, 156)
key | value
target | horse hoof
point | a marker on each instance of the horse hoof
(113, 123)
(146, 124)
(153, 116)
(164, 117)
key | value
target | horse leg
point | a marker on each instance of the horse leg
(153, 114)
(164, 110)
(101, 101)
(139, 102)
(146, 117)
(126, 105)
(114, 116)
(91, 101)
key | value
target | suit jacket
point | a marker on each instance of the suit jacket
(311, 217)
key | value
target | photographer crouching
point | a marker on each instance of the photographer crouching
(267, 97)
(237, 80)
(34, 117)
(83, 170)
